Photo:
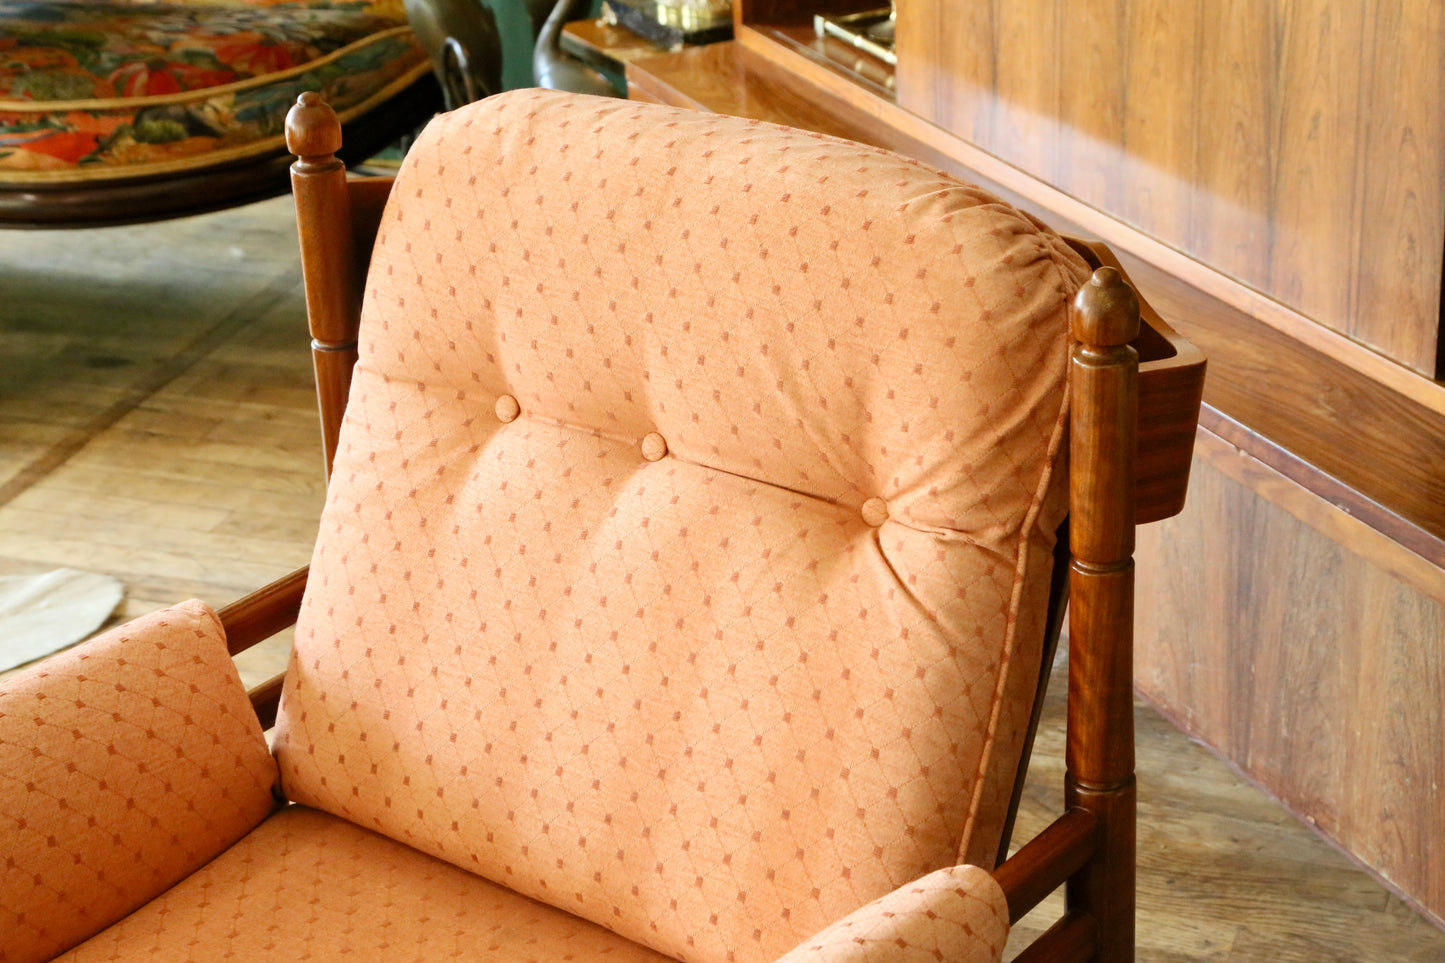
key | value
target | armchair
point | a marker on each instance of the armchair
(683, 584)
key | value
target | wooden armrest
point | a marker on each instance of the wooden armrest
(1171, 386)
(1047, 860)
(266, 699)
(266, 611)
(1039, 868)
(368, 198)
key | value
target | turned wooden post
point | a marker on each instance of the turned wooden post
(328, 256)
(1100, 756)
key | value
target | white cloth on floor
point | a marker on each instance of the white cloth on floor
(41, 614)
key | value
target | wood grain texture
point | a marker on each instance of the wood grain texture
(728, 79)
(1316, 669)
(257, 616)
(330, 264)
(944, 148)
(1103, 421)
(1372, 439)
(1225, 874)
(1171, 382)
(1280, 144)
(1047, 860)
(266, 699)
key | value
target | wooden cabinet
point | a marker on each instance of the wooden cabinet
(1298, 149)
(1273, 176)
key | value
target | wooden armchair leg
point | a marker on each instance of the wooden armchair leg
(1100, 753)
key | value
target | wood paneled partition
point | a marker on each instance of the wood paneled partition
(1297, 147)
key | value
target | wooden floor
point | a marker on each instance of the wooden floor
(157, 423)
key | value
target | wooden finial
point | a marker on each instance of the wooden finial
(1106, 310)
(313, 133)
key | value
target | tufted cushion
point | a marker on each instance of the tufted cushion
(106, 88)
(307, 886)
(685, 555)
(957, 914)
(125, 764)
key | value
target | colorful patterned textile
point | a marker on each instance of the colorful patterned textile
(116, 89)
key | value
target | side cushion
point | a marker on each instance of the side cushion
(957, 914)
(686, 550)
(125, 764)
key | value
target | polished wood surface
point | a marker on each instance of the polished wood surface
(1073, 939)
(1104, 382)
(257, 616)
(266, 699)
(604, 44)
(1381, 445)
(1315, 661)
(944, 147)
(1220, 129)
(727, 79)
(1211, 884)
(190, 469)
(1044, 863)
(330, 264)
(1171, 384)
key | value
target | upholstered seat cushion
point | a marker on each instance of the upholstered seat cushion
(686, 548)
(309, 886)
(305, 885)
(125, 764)
(91, 89)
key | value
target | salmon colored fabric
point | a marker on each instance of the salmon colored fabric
(685, 555)
(308, 886)
(957, 914)
(125, 764)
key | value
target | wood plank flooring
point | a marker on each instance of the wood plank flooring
(157, 423)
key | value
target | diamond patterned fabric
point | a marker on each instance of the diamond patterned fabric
(307, 886)
(957, 914)
(685, 556)
(125, 763)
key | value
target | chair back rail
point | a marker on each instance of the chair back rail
(329, 261)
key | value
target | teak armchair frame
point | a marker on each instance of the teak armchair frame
(1135, 400)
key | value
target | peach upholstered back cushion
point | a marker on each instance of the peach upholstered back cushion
(126, 764)
(685, 552)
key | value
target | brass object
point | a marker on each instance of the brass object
(870, 31)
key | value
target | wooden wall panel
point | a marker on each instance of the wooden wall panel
(1309, 651)
(1295, 147)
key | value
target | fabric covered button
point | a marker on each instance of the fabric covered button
(874, 511)
(507, 408)
(654, 446)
